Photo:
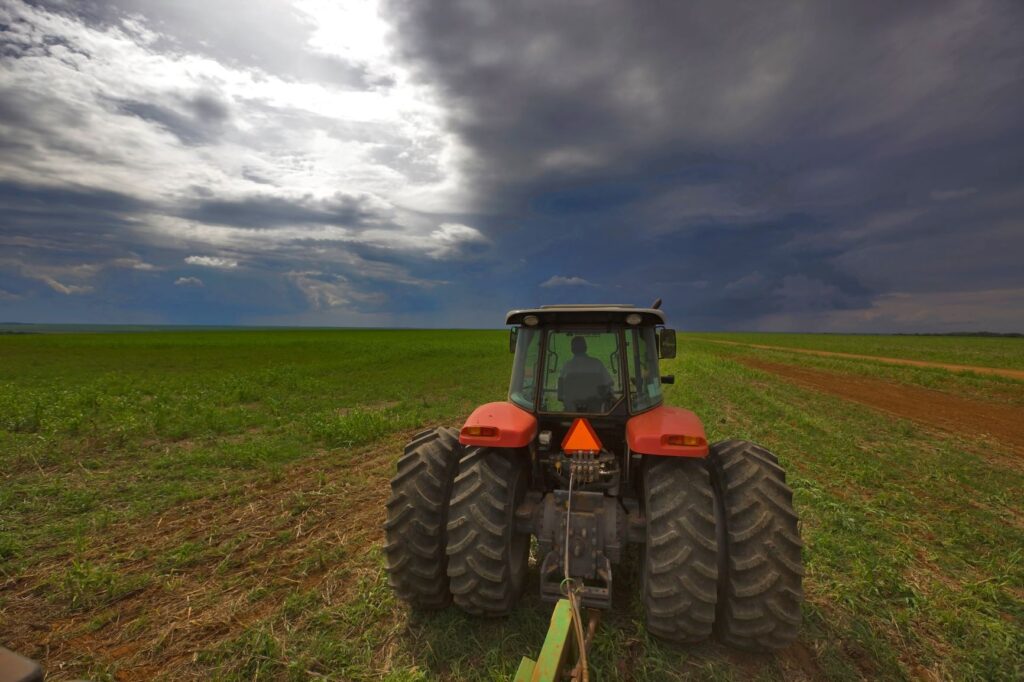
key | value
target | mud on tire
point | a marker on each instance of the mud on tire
(416, 527)
(486, 557)
(761, 586)
(680, 557)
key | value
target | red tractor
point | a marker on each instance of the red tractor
(585, 456)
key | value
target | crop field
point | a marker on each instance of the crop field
(208, 504)
(1002, 352)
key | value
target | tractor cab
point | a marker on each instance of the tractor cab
(593, 360)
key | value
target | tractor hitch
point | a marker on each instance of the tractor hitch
(594, 535)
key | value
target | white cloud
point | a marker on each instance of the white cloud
(73, 279)
(449, 239)
(212, 262)
(324, 290)
(8, 296)
(561, 281)
(188, 282)
(122, 113)
(66, 289)
(303, 136)
(132, 264)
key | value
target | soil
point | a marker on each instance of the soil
(998, 371)
(1003, 423)
(270, 538)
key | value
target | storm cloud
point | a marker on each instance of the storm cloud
(774, 165)
(801, 162)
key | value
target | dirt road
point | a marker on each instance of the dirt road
(932, 408)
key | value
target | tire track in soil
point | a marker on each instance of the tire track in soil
(156, 630)
(1004, 423)
(997, 371)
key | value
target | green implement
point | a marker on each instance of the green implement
(552, 659)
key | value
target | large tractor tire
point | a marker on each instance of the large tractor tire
(680, 556)
(486, 556)
(761, 588)
(416, 527)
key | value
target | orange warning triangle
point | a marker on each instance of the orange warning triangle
(580, 438)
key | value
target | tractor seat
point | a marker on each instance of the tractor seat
(585, 392)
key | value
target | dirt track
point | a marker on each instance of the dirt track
(997, 371)
(932, 408)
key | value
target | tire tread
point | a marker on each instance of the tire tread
(680, 557)
(486, 580)
(416, 526)
(761, 591)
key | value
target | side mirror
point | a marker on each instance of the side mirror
(668, 379)
(512, 336)
(667, 344)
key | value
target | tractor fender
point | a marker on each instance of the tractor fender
(649, 433)
(514, 427)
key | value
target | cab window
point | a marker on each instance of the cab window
(581, 373)
(524, 368)
(642, 359)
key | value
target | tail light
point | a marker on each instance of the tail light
(480, 431)
(687, 441)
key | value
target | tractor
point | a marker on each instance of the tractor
(586, 457)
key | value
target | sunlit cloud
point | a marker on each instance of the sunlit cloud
(212, 262)
(562, 281)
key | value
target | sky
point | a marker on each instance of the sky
(780, 166)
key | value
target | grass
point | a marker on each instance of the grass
(93, 426)
(207, 504)
(1005, 352)
(986, 387)
(89, 586)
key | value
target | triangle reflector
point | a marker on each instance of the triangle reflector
(580, 438)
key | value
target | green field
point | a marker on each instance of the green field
(1006, 352)
(985, 387)
(208, 504)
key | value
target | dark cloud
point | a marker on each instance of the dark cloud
(198, 119)
(50, 214)
(790, 155)
(271, 211)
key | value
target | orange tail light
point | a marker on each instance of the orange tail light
(690, 441)
(480, 431)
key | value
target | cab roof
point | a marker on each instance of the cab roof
(575, 313)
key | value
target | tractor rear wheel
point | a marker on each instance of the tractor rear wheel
(486, 556)
(761, 589)
(680, 556)
(416, 527)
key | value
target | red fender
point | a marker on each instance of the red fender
(499, 425)
(650, 433)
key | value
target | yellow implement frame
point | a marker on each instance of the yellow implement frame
(552, 664)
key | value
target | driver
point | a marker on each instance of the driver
(581, 364)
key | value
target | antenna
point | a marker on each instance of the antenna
(657, 304)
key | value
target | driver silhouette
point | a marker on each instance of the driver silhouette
(584, 382)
